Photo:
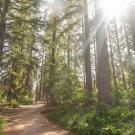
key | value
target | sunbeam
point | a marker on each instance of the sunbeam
(114, 8)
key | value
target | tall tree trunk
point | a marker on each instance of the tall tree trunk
(127, 40)
(41, 80)
(83, 44)
(45, 75)
(3, 26)
(95, 62)
(11, 85)
(68, 51)
(74, 54)
(119, 54)
(132, 22)
(131, 19)
(103, 72)
(113, 68)
(87, 54)
(28, 78)
(52, 67)
(112, 60)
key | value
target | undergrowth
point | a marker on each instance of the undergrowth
(101, 120)
(92, 119)
(2, 123)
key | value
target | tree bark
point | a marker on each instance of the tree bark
(119, 55)
(112, 60)
(68, 51)
(132, 22)
(103, 71)
(11, 85)
(52, 67)
(87, 54)
(41, 80)
(3, 26)
(127, 40)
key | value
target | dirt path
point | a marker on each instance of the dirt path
(27, 120)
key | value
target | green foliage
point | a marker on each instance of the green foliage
(131, 71)
(107, 131)
(14, 103)
(65, 85)
(2, 123)
(102, 120)
(81, 113)
(131, 97)
(25, 100)
(130, 128)
(2, 100)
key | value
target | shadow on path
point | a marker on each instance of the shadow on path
(27, 120)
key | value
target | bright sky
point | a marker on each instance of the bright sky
(111, 8)
(114, 7)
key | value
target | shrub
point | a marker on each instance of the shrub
(106, 131)
(14, 103)
(2, 122)
(103, 120)
(25, 100)
(131, 97)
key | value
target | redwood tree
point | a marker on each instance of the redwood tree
(3, 25)
(103, 72)
(87, 55)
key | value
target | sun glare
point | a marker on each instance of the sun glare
(50, 0)
(114, 7)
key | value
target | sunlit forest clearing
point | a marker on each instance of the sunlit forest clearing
(67, 67)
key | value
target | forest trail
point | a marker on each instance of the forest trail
(28, 120)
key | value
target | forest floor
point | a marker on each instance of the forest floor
(28, 120)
